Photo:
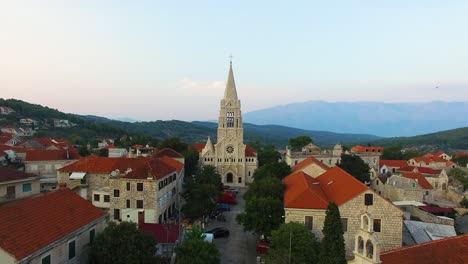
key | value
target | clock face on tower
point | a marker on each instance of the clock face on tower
(230, 149)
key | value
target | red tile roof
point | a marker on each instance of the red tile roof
(436, 209)
(32, 224)
(173, 163)
(364, 149)
(167, 152)
(453, 250)
(109, 147)
(333, 185)
(161, 233)
(423, 170)
(309, 161)
(53, 154)
(428, 160)
(303, 191)
(8, 174)
(393, 163)
(461, 154)
(141, 168)
(15, 149)
(199, 147)
(419, 178)
(250, 151)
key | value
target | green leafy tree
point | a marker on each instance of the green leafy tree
(278, 170)
(191, 161)
(333, 247)
(393, 153)
(355, 166)
(461, 161)
(295, 236)
(460, 176)
(195, 250)
(298, 142)
(202, 192)
(173, 143)
(266, 187)
(123, 243)
(262, 215)
(83, 150)
(464, 202)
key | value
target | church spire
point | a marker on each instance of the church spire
(230, 93)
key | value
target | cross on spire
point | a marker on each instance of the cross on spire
(230, 59)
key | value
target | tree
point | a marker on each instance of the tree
(191, 161)
(174, 143)
(265, 187)
(298, 142)
(460, 176)
(295, 236)
(268, 155)
(393, 153)
(332, 247)
(464, 202)
(201, 192)
(461, 161)
(123, 243)
(355, 166)
(262, 215)
(194, 249)
(278, 170)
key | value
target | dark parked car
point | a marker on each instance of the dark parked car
(219, 232)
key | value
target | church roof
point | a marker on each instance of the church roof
(230, 93)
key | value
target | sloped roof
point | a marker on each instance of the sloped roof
(167, 152)
(423, 170)
(53, 154)
(303, 191)
(393, 163)
(31, 224)
(453, 250)
(8, 174)
(309, 161)
(419, 178)
(199, 147)
(423, 232)
(5, 139)
(152, 167)
(173, 163)
(250, 151)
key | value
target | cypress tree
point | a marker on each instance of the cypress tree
(332, 247)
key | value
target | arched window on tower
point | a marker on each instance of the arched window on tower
(360, 245)
(230, 119)
(369, 249)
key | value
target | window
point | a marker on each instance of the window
(46, 260)
(116, 214)
(116, 193)
(309, 222)
(128, 203)
(97, 197)
(427, 192)
(26, 187)
(139, 203)
(106, 198)
(83, 181)
(92, 234)
(128, 186)
(368, 199)
(140, 186)
(377, 225)
(344, 223)
(71, 250)
(161, 185)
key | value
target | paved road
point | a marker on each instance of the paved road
(239, 247)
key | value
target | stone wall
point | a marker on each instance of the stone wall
(394, 193)
(391, 220)
(428, 217)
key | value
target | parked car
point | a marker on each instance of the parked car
(233, 194)
(218, 232)
(232, 189)
(223, 207)
(262, 247)
(227, 198)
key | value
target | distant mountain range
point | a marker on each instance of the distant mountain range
(89, 127)
(376, 118)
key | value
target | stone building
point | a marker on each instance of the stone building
(411, 188)
(128, 186)
(16, 184)
(307, 196)
(327, 157)
(235, 161)
(57, 227)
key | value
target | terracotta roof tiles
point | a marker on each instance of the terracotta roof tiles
(453, 250)
(309, 161)
(8, 174)
(167, 152)
(31, 224)
(419, 178)
(393, 163)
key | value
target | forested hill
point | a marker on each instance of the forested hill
(90, 127)
(445, 140)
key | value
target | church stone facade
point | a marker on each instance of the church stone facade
(235, 161)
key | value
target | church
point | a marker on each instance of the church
(235, 161)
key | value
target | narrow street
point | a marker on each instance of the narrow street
(239, 247)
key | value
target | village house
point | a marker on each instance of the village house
(9, 129)
(369, 154)
(409, 186)
(312, 185)
(28, 122)
(328, 157)
(437, 178)
(62, 123)
(57, 227)
(8, 139)
(127, 186)
(391, 166)
(4, 110)
(15, 184)
(430, 161)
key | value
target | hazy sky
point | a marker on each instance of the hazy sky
(165, 60)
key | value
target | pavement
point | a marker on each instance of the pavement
(239, 247)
